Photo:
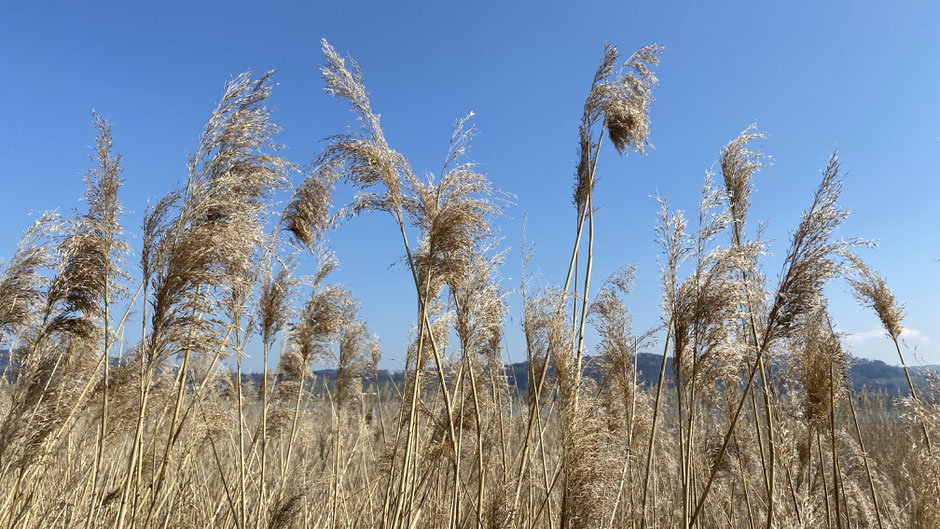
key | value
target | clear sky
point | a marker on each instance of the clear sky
(862, 76)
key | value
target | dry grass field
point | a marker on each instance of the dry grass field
(754, 426)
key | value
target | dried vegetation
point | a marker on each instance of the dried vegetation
(754, 425)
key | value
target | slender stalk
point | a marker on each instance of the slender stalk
(649, 453)
(587, 284)
(771, 452)
(910, 384)
(832, 432)
(413, 405)
(523, 450)
(728, 434)
(822, 472)
(99, 455)
(481, 485)
(155, 487)
(293, 433)
(243, 502)
(758, 430)
(138, 431)
(264, 438)
(871, 482)
(796, 506)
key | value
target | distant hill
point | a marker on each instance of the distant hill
(5, 362)
(876, 375)
(871, 375)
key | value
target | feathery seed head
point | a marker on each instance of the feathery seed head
(366, 157)
(21, 282)
(623, 100)
(274, 303)
(308, 214)
(738, 165)
(821, 362)
(871, 290)
(811, 259)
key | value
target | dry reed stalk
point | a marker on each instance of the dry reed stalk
(216, 228)
(871, 290)
(809, 263)
(273, 307)
(370, 162)
(670, 234)
(649, 451)
(449, 213)
(738, 164)
(621, 103)
(78, 297)
(835, 454)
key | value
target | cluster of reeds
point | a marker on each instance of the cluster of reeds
(751, 421)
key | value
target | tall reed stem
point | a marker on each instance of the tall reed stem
(651, 445)
(835, 457)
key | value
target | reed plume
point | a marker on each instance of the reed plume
(810, 262)
(22, 283)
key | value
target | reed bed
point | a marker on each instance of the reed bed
(751, 422)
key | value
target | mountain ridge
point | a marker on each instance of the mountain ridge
(865, 374)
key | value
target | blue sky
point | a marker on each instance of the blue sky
(860, 77)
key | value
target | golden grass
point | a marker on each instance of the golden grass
(758, 426)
